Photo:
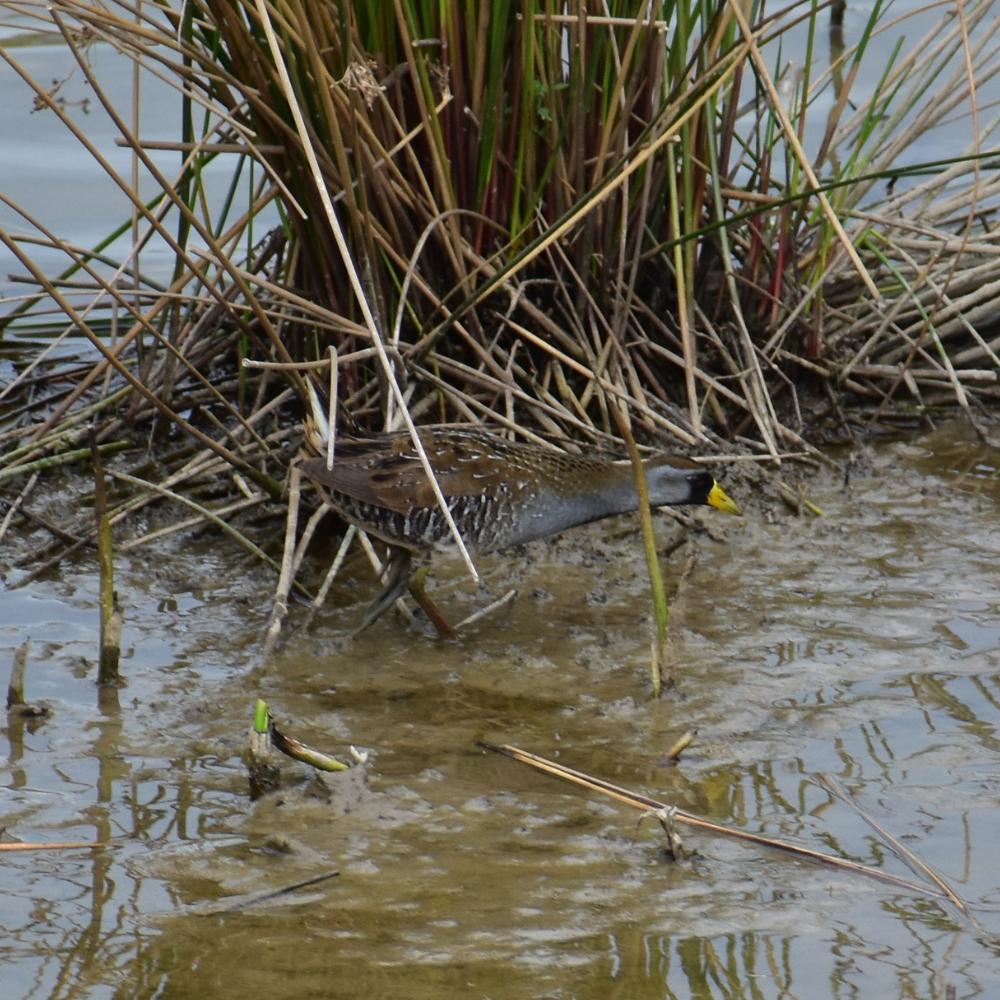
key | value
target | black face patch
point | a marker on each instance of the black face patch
(701, 485)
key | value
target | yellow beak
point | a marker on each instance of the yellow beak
(719, 498)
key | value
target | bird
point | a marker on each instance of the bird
(500, 493)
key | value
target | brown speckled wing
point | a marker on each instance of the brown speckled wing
(347, 478)
(386, 471)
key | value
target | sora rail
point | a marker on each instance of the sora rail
(500, 493)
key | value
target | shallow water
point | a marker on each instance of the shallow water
(864, 645)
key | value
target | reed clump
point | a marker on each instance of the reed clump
(523, 214)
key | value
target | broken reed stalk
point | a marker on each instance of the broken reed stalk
(305, 754)
(111, 612)
(187, 525)
(265, 738)
(15, 688)
(263, 773)
(672, 756)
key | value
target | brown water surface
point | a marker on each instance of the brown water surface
(865, 645)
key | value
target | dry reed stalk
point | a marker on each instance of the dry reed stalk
(14, 507)
(210, 516)
(82, 139)
(288, 565)
(491, 608)
(60, 846)
(359, 291)
(122, 370)
(111, 611)
(645, 803)
(331, 575)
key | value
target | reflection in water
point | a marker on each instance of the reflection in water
(864, 646)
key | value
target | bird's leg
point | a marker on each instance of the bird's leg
(416, 585)
(397, 574)
(398, 577)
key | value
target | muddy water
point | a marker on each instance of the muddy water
(864, 646)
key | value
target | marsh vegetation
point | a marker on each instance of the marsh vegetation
(752, 236)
